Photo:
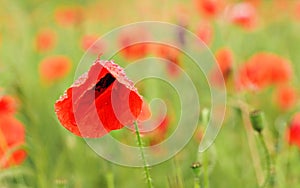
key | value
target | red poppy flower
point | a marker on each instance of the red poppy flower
(170, 54)
(205, 33)
(243, 14)
(286, 97)
(8, 105)
(45, 40)
(297, 10)
(101, 100)
(88, 43)
(134, 45)
(209, 8)
(12, 135)
(54, 68)
(67, 16)
(263, 69)
(293, 132)
(224, 59)
(158, 135)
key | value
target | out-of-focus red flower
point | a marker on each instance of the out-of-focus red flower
(297, 10)
(224, 59)
(286, 97)
(263, 69)
(134, 45)
(12, 135)
(209, 8)
(243, 14)
(8, 105)
(205, 32)
(101, 100)
(293, 132)
(67, 16)
(54, 68)
(169, 53)
(145, 112)
(158, 135)
(88, 43)
(45, 40)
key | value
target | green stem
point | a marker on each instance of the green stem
(268, 161)
(205, 171)
(110, 180)
(196, 182)
(146, 166)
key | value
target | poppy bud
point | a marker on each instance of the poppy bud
(257, 120)
(196, 168)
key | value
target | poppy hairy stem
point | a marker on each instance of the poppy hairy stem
(146, 166)
(268, 161)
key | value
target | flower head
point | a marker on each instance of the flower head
(101, 100)
(7, 105)
(54, 68)
(45, 40)
(286, 97)
(12, 135)
(263, 69)
(293, 132)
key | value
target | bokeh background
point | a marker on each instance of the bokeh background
(256, 45)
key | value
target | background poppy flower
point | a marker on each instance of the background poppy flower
(101, 100)
(205, 32)
(45, 40)
(131, 45)
(67, 16)
(264, 69)
(158, 135)
(293, 132)
(209, 8)
(8, 105)
(169, 53)
(54, 68)
(12, 135)
(243, 14)
(286, 97)
(224, 59)
(88, 43)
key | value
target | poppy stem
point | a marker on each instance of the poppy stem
(268, 161)
(146, 166)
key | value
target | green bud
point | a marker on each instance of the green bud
(257, 120)
(196, 168)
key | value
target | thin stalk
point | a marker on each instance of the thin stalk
(146, 166)
(110, 180)
(196, 182)
(268, 161)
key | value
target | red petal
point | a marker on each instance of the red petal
(101, 100)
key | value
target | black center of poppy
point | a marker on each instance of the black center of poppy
(104, 83)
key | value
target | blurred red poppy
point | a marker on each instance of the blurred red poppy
(243, 14)
(12, 135)
(54, 68)
(45, 40)
(169, 53)
(297, 10)
(209, 8)
(205, 32)
(88, 42)
(293, 132)
(158, 135)
(8, 105)
(101, 100)
(286, 97)
(67, 16)
(224, 59)
(134, 44)
(263, 69)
